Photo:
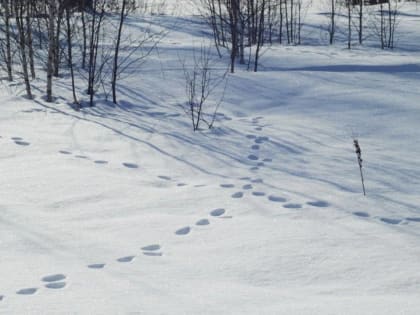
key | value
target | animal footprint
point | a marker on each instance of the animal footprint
(181, 184)
(64, 152)
(152, 250)
(413, 219)
(96, 266)
(251, 136)
(23, 143)
(227, 185)
(391, 221)
(126, 259)
(217, 212)
(361, 214)
(130, 165)
(319, 204)
(81, 156)
(164, 177)
(258, 193)
(100, 162)
(247, 186)
(255, 147)
(238, 195)
(252, 157)
(16, 138)
(152, 247)
(203, 222)
(1, 296)
(183, 231)
(292, 206)
(55, 285)
(27, 291)
(257, 181)
(53, 278)
(276, 198)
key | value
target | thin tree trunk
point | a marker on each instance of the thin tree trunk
(9, 61)
(70, 56)
(51, 44)
(117, 49)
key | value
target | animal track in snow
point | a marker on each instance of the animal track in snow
(238, 194)
(217, 212)
(55, 285)
(413, 219)
(200, 185)
(152, 254)
(227, 185)
(276, 198)
(255, 147)
(245, 178)
(81, 156)
(252, 157)
(96, 266)
(247, 186)
(251, 136)
(1, 297)
(260, 140)
(152, 250)
(202, 222)
(258, 128)
(152, 247)
(54, 278)
(27, 291)
(268, 160)
(23, 143)
(16, 138)
(126, 259)
(64, 152)
(100, 162)
(257, 181)
(254, 168)
(361, 214)
(319, 204)
(183, 231)
(292, 206)
(130, 165)
(181, 184)
(258, 193)
(164, 177)
(391, 221)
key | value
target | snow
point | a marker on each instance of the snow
(125, 210)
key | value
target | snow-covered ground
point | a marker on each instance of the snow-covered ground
(125, 210)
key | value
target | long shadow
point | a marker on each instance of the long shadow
(121, 133)
(404, 68)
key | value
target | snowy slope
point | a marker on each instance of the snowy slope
(125, 210)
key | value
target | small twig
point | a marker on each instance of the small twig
(360, 161)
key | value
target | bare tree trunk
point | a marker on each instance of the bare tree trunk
(117, 49)
(51, 46)
(57, 48)
(19, 11)
(260, 39)
(349, 24)
(70, 56)
(84, 36)
(361, 22)
(29, 41)
(332, 29)
(9, 61)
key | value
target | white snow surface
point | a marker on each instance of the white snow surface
(118, 209)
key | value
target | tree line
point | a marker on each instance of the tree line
(51, 33)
